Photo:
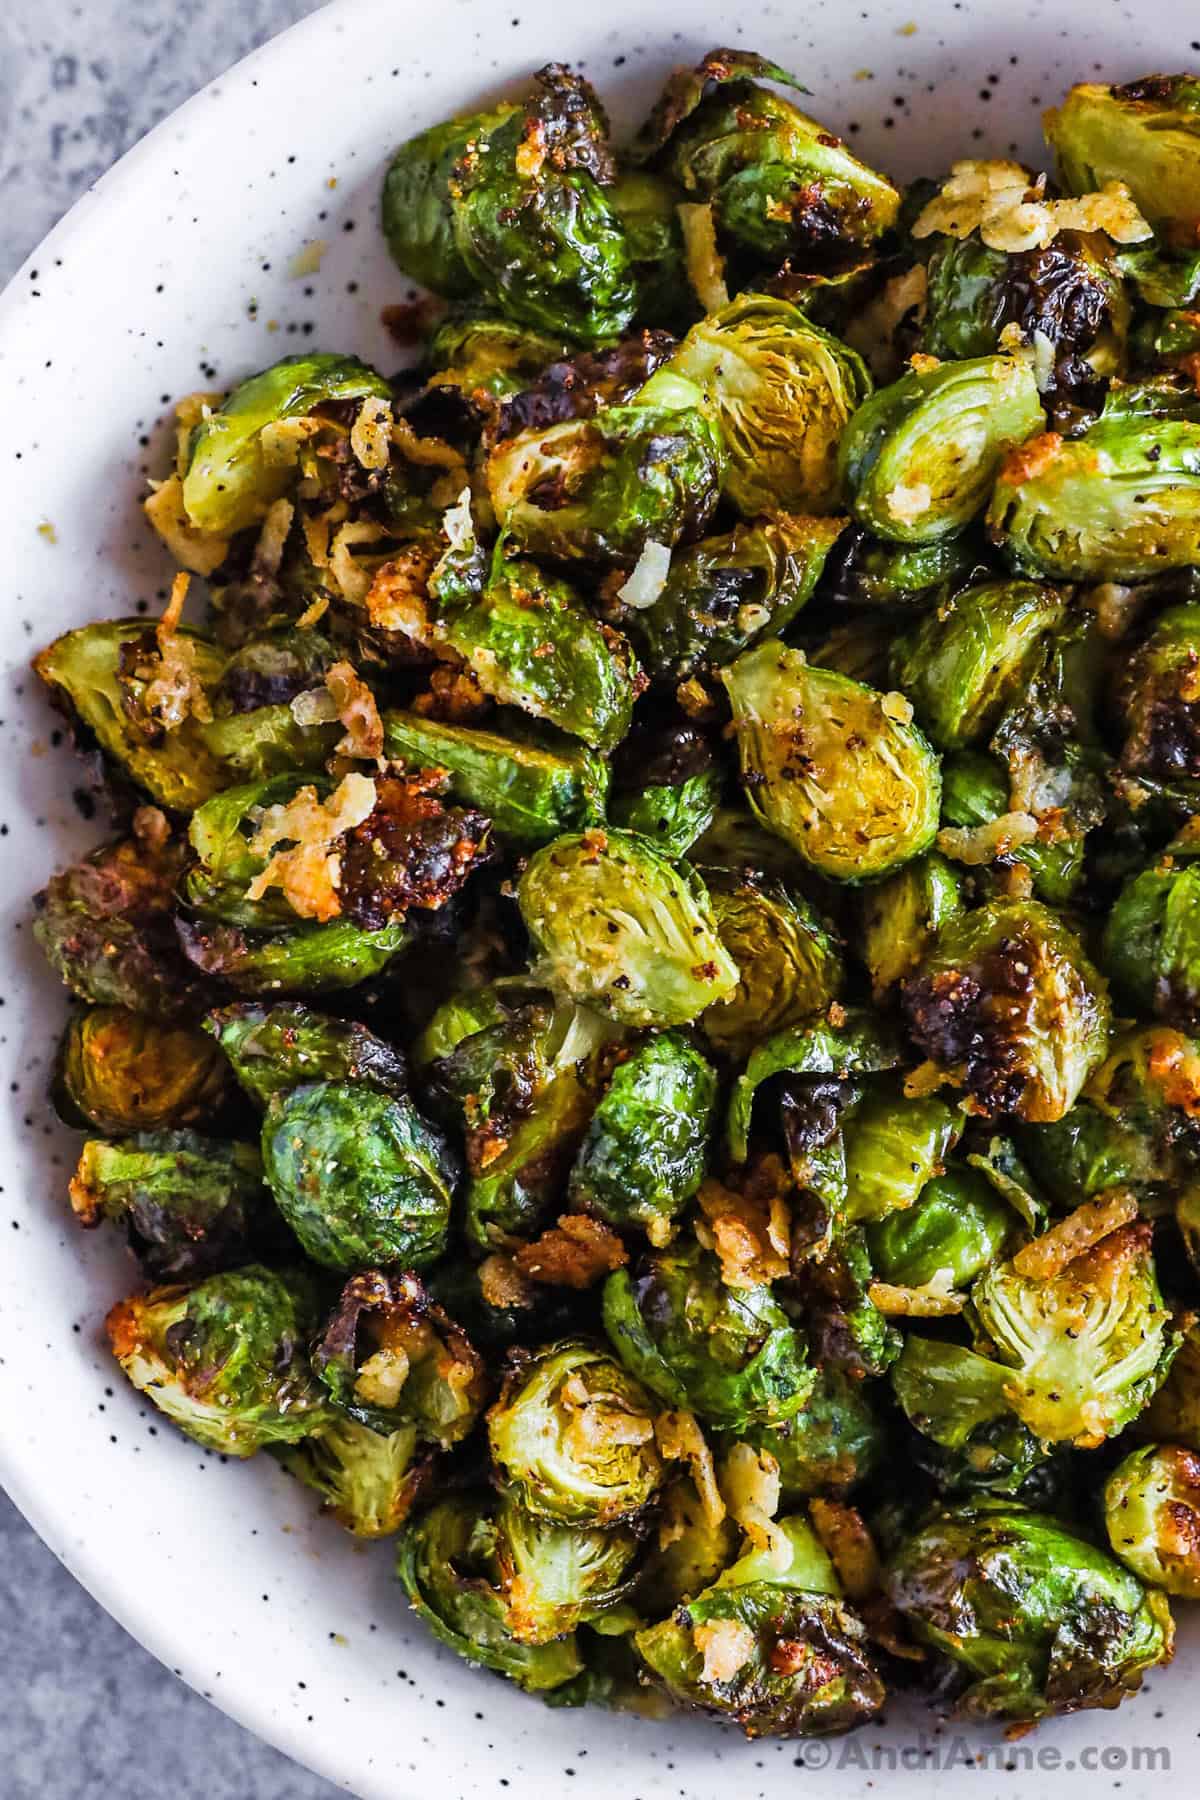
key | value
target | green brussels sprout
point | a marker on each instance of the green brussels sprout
(900, 917)
(191, 1205)
(448, 1565)
(572, 1436)
(691, 1547)
(894, 1146)
(778, 390)
(1120, 504)
(780, 184)
(647, 207)
(961, 663)
(253, 746)
(832, 766)
(1159, 704)
(1152, 941)
(309, 959)
(1008, 1004)
(959, 1401)
(602, 489)
(532, 644)
(531, 789)
(789, 961)
(1163, 276)
(832, 1445)
(644, 1152)
(1041, 1620)
(774, 1650)
(620, 927)
(496, 1318)
(121, 1071)
(272, 1049)
(271, 670)
(359, 1175)
(726, 593)
(1152, 1516)
(727, 1354)
(369, 1483)
(1145, 133)
(862, 1044)
(390, 1357)
(677, 810)
(479, 352)
(737, 844)
(1089, 1344)
(556, 1576)
(958, 1222)
(231, 479)
(510, 207)
(975, 794)
(919, 458)
(135, 691)
(225, 1359)
(866, 571)
(1050, 738)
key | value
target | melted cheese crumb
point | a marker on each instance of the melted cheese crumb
(1007, 208)
(354, 706)
(309, 872)
(976, 845)
(197, 551)
(1048, 1255)
(680, 1439)
(371, 432)
(726, 1646)
(936, 1298)
(705, 264)
(751, 1488)
(648, 577)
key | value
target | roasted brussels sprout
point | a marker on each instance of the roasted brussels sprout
(1152, 1514)
(308, 959)
(1007, 1003)
(555, 1576)
(647, 206)
(729, 1355)
(448, 1565)
(962, 662)
(1160, 701)
(958, 1401)
(225, 1359)
(978, 823)
(1145, 134)
(572, 1435)
(620, 927)
(780, 184)
(1152, 941)
(861, 1044)
(191, 1205)
(602, 489)
(121, 1071)
(789, 961)
(918, 459)
(868, 572)
(846, 1331)
(359, 1175)
(689, 1550)
(272, 1049)
(1041, 1620)
(480, 353)
(958, 1222)
(368, 1482)
(900, 917)
(771, 1645)
(835, 1442)
(894, 1145)
(666, 787)
(831, 766)
(643, 1155)
(778, 390)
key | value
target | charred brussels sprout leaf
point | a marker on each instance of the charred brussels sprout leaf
(359, 1175)
(729, 1355)
(1008, 1004)
(1152, 941)
(789, 961)
(232, 477)
(1041, 1620)
(1152, 1513)
(122, 1071)
(958, 1401)
(833, 767)
(556, 1576)
(900, 917)
(367, 1482)
(779, 391)
(1146, 134)
(191, 1205)
(867, 571)
(448, 1565)
(601, 489)
(272, 1049)
(919, 458)
(225, 1360)
(862, 1044)
(620, 927)
(835, 1442)
(958, 1222)
(572, 1435)
(771, 1648)
(1160, 701)
(644, 1152)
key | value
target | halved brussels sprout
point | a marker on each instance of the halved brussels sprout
(900, 917)
(729, 1355)
(667, 787)
(555, 1576)
(1152, 1514)
(1151, 946)
(778, 390)
(643, 1155)
(1089, 1344)
(112, 678)
(1007, 1003)
(253, 746)
(959, 1401)
(359, 1175)
(772, 1648)
(191, 1205)
(835, 1442)
(961, 664)
(867, 571)
(272, 1049)
(580, 385)
(861, 1044)
(726, 593)
(958, 1222)
(1041, 1620)
(975, 795)
(531, 789)
(232, 477)
(390, 1357)
(572, 1435)
(919, 458)
(449, 1568)
(369, 1483)
(894, 1145)
(1120, 504)
(121, 1071)
(789, 961)
(620, 927)
(1159, 699)
(833, 767)
(225, 1360)
(601, 489)
(1145, 134)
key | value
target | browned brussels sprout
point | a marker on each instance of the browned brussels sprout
(1151, 942)
(666, 787)
(191, 1205)
(123, 1071)
(1145, 134)
(1152, 1513)
(1159, 698)
(272, 1049)
(788, 958)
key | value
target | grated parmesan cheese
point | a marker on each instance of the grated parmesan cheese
(648, 577)
(934, 1299)
(197, 551)
(705, 264)
(908, 501)
(371, 432)
(1048, 1255)
(976, 845)
(680, 1439)
(309, 872)
(1005, 205)
(726, 1646)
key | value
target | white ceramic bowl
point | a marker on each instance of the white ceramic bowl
(174, 274)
